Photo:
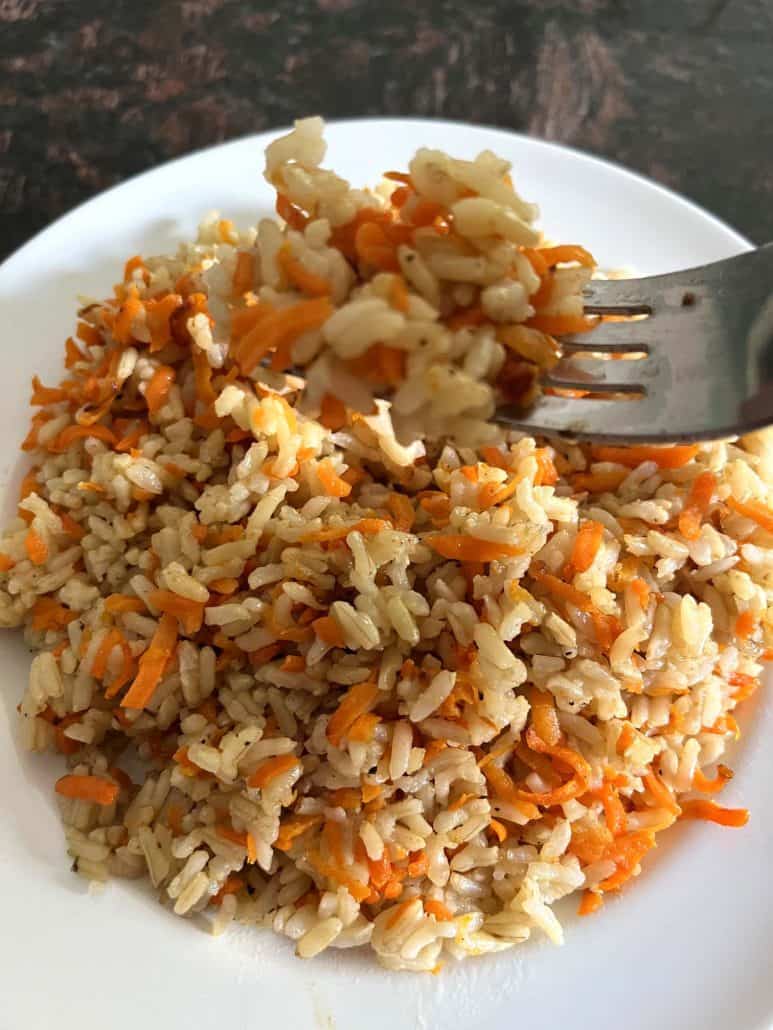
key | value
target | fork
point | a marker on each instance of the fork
(699, 364)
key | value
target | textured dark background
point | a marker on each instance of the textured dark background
(92, 91)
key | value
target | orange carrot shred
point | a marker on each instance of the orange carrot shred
(153, 663)
(36, 547)
(468, 548)
(270, 769)
(358, 700)
(95, 789)
(664, 457)
(754, 510)
(299, 276)
(586, 545)
(591, 902)
(158, 388)
(710, 811)
(189, 613)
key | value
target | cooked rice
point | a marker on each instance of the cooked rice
(392, 676)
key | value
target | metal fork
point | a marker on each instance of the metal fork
(700, 365)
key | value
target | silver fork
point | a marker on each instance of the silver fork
(700, 364)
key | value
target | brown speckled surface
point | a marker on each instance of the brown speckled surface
(93, 91)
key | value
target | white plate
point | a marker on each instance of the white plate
(686, 946)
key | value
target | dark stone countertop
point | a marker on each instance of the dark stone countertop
(93, 91)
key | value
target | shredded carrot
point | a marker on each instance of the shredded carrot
(174, 818)
(468, 548)
(49, 614)
(128, 311)
(437, 506)
(36, 547)
(664, 457)
(294, 827)
(270, 769)
(746, 624)
(626, 738)
(754, 510)
(573, 787)
(547, 474)
(566, 254)
(29, 484)
(73, 353)
(153, 663)
(331, 482)
(437, 909)
(698, 501)
(357, 701)
(401, 508)
(591, 902)
(158, 388)
(626, 852)
(133, 265)
(745, 686)
(117, 604)
(328, 630)
(467, 318)
(244, 273)
(662, 794)
(544, 717)
(709, 810)
(6, 563)
(641, 591)
(499, 830)
(233, 884)
(189, 613)
(398, 294)
(332, 412)
(613, 809)
(373, 247)
(370, 791)
(279, 330)
(70, 434)
(586, 545)
(292, 215)
(293, 663)
(230, 834)
(503, 787)
(299, 276)
(598, 482)
(94, 789)
(113, 638)
(252, 850)
(704, 785)
(46, 394)
(562, 591)
(418, 865)
(493, 456)
(245, 320)
(491, 493)
(364, 727)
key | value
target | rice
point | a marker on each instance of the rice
(384, 675)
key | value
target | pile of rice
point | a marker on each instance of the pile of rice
(325, 649)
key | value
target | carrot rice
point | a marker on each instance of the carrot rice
(393, 676)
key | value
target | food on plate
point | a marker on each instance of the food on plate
(326, 650)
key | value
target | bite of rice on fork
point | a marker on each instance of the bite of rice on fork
(325, 649)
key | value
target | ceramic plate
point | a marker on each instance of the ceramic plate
(687, 945)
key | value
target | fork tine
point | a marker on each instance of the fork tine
(612, 337)
(616, 296)
(586, 418)
(605, 376)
